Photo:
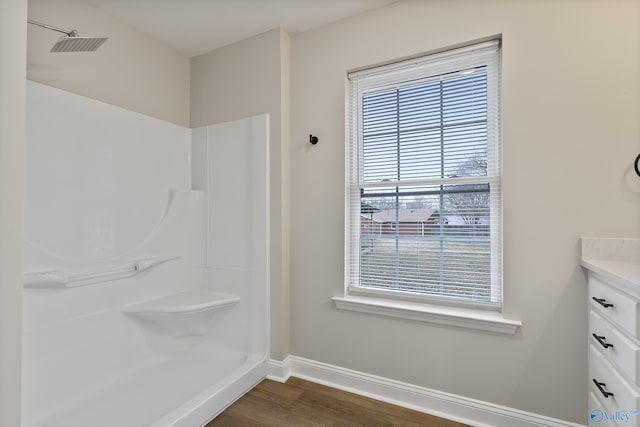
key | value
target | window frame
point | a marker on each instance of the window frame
(353, 187)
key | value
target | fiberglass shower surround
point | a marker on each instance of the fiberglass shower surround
(145, 300)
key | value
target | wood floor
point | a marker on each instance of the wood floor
(303, 403)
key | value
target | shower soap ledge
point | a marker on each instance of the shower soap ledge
(58, 279)
(184, 302)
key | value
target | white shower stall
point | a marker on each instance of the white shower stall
(145, 265)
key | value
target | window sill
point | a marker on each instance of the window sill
(452, 316)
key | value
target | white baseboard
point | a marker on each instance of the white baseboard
(446, 405)
(279, 371)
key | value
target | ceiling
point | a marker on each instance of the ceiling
(194, 27)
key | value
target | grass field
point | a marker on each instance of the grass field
(458, 268)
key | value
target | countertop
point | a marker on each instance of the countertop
(613, 259)
(626, 273)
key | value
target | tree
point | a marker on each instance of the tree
(469, 202)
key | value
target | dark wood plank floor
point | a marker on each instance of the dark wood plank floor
(303, 403)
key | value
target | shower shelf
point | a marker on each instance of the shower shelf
(184, 302)
(173, 321)
(58, 279)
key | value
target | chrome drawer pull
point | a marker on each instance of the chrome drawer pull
(601, 339)
(601, 387)
(603, 302)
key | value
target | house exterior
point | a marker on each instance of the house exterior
(422, 222)
(404, 222)
(466, 226)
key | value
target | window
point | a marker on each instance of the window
(423, 179)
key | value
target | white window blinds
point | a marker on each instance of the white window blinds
(423, 178)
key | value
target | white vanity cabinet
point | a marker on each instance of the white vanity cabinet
(614, 334)
(614, 353)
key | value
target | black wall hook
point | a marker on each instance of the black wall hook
(313, 139)
(635, 165)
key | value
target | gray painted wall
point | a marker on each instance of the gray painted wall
(130, 69)
(571, 109)
(13, 16)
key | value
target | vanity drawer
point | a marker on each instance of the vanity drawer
(621, 309)
(624, 397)
(615, 346)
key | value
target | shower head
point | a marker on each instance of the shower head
(77, 44)
(71, 42)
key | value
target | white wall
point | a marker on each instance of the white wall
(571, 109)
(12, 105)
(85, 161)
(106, 186)
(231, 162)
(98, 195)
(130, 69)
